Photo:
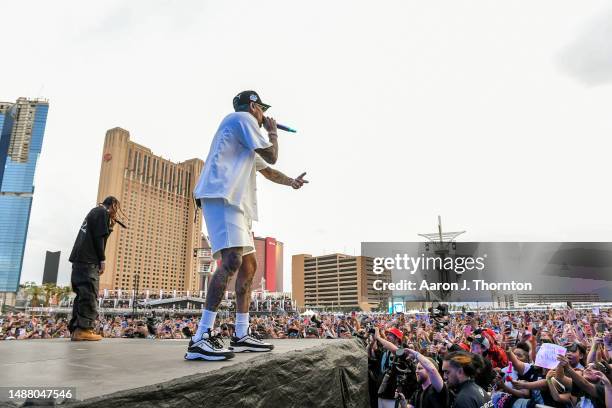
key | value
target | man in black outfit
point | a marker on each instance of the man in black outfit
(432, 392)
(459, 369)
(88, 263)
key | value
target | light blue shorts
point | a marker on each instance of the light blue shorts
(227, 226)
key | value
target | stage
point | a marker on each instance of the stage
(138, 372)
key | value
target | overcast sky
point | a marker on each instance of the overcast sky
(494, 114)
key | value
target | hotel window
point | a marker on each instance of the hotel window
(137, 163)
(154, 175)
(129, 166)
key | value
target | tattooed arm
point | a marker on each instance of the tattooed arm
(280, 178)
(270, 154)
(276, 176)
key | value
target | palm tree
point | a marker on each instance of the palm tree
(34, 292)
(63, 293)
(50, 290)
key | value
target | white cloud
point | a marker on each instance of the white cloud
(589, 56)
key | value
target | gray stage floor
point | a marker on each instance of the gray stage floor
(99, 368)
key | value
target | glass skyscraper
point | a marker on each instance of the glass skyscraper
(22, 126)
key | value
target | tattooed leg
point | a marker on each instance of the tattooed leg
(244, 281)
(231, 259)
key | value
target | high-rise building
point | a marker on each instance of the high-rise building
(22, 128)
(51, 267)
(269, 272)
(337, 281)
(164, 228)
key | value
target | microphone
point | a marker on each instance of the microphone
(285, 128)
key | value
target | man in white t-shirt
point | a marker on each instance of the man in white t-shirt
(226, 191)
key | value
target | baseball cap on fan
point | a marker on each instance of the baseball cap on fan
(482, 340)
(396, 332)
(246, 97)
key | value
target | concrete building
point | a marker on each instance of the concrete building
(164, 227)
(528, 299)
(337, 281)
(22, 129)
(269, 255)
(51, 267)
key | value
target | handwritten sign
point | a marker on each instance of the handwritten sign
(547, 355)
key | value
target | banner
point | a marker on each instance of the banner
(506, 272)
(547, 355)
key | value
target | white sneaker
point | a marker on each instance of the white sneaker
(209, 347)
(249, 343)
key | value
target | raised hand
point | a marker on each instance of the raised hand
(269, 124)
(563, 361)
(299, 181)
(603, 378)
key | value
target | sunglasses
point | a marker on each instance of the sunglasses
(263, 108)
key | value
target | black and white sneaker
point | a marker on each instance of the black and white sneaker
(209, 347)
(249, 343)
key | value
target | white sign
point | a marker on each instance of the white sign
(547, 355)
(596, 311)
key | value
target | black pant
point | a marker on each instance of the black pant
(85, 281)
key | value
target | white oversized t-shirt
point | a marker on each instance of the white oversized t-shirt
(232, 163)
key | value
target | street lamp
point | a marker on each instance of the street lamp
(135, 293)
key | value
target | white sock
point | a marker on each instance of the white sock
(242, 324)
(206, 322)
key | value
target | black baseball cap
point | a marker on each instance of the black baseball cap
(246, 97)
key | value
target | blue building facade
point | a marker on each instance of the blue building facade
(22, 126)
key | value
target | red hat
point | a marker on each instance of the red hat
(396, 332)
(490, 333)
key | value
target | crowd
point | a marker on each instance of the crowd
(489, 359)
(470, 359)
(21, 327)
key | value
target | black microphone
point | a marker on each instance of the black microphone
(285, 128)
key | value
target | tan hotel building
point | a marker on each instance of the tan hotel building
(156, 196)
(337, 281)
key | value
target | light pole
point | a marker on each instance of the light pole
(135, 294)
(442, 243)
